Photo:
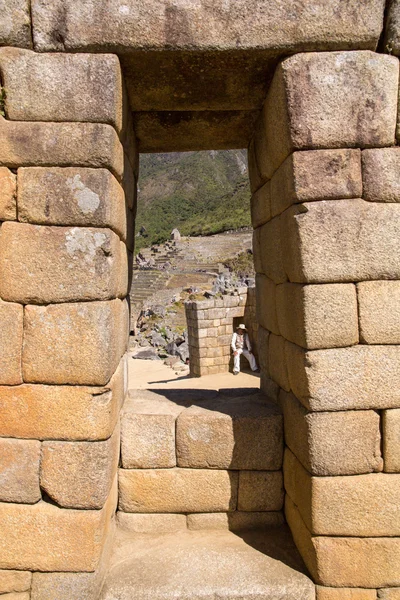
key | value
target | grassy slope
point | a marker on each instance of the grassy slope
(198, 192)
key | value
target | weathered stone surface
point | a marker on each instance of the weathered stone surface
(17, 596)
(380, 167)
(260, 491)
(271, 251)
(330, 593)
(15, 581)
(232, 433)
(79, 474)
(379, 308)
(151, 523)
(38, 84)
(43, 265)
(65, 586)
(262, 349)
(11, 330)
(392, 30)
(278, 368)
(62, 412)
(332, 443)
(391, 440)
(8, 195)
(266, 303)
(43, 537)
(345, 378)
(39, 144)
(318, 316)
(351, 240)
(389, 594)
(19, 471)
(261, 205)
(79, 343)
(316, 175)
(177, 490)
(257, 250)
(15, 25)
(71, 196)
(234, 521)
(254, 175)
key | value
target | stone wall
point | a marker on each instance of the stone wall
(210, 325)
(325, 207)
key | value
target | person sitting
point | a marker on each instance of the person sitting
(241, 345)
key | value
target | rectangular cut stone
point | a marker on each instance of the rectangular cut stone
(278, 368)
(380, 168)
(271, 251)
(15, 581)
(230, 434)
(80, 343)
(266, 303)
(177, 490)
(329, 593)
(316, 175)
(257, 250)
(43, 537)
(234, 521)
(332, 443)
(11, 330)
(17, 596)
(38, 84)
(351, 240)
(345, 378)
(65, 586)
(19, 471)
(260, 491)
(38, 144)
(71, 196)
(318, 316)
(151, 523)
(391, 440)
(43, 265)
(61, 412)
(379, 308)
(15, 24)
(79, 474)
(261, 205)
(262, 348)
(389, 594)
(8, 195)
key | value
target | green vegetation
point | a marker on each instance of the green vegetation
(200, 193)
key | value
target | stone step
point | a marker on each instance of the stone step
(207, 565)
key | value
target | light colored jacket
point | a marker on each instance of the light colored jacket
(246, 342)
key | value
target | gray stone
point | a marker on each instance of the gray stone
(15, 23)
(380, 168)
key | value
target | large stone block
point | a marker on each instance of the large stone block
(151, 523)
(318, 316)
(260, 491)
(37, 144)
(351, 240)
(79, 343)
(65, 586)
(71, 196)
(17, 596)
(19, 471)
(254, 175)
(177, 490)
(62, 412)
(261, 205)
(43, 537)
(330, 593)
(391, 440)
(262, 349)
(332, 443)
(270, 249)
(38, 84)
(15, 24)
(43, 265)
(266, 303)
(379, 308)
(278, 368)
(234, 521)
(15, 581)
(380, 167)
(316, 175)
(389, 594)
(11, 330)
(8, 195)
(240, 433)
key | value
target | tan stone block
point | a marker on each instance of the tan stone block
(15, 24)
(260, 490)
(263, 349)
(254, 175)
(17, 596)
(391, 440)
(177, 490)
(11, 331)
(234, 521)
(318, 316)
(257, 250)
(79, 343)
(266, 303)
(389, 594)
(61, 412)
(19, 471)
(79, 474)
(43, 537)
(278, 368)
(330, 593)
(64, 586)
(39, 144)
(379, 308)
(332, 443)
(271, 251)
(215, 369)
(261, 205)
(230, 301)
(380, 167)
(15, 581)
(38, 84)
(71, 196)
(216, 313)
(316, 175)
(40, 264)
(212, 332)
(8, 195)
(331, 241)
(151, 523)
(345, 378)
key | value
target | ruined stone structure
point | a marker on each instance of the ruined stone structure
(312, 88)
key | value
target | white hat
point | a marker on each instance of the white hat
(241, 326)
